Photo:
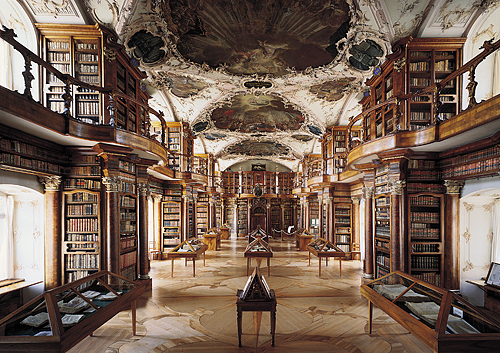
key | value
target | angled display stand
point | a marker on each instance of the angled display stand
(259, 249)
(58, 319)
(212, 238)
(258, 233)
(322, 248)
(188, 249)
(256, 296)
(441, 319)
(302, 238)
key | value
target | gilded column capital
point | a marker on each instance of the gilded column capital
(396, 186)
(453, 187)
(142, 189)
(157, 198)
(111, 183)
(52, 183)
(367, 192)
(327, 200)
(356, 199)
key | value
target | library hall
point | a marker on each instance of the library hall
(250, 176)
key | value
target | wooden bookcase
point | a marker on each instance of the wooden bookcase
(426, 221)
(81, 243)
(128, 220)
(171, 211)
(78, 50)
(342, 216)
(32, 155)
(483, 162)
(314, 216)
(428, 62)
(242, 205)
(382, 222)
(275, 215)
(202, 215)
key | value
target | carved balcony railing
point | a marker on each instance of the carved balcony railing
(72, 84)
(434, 90)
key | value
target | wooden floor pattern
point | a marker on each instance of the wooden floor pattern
(186, 314)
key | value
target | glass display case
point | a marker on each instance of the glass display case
(58, 319)
(259, 249)
(441, 319)
(322, 248)
(212, 238)
(188, 249)
(258, 233)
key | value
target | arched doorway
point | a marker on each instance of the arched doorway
(258, 217)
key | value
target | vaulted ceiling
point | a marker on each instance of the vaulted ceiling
(262, 79)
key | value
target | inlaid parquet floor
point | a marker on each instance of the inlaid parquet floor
(186, 314)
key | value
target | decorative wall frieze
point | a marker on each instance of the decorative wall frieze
(52, 8)
(51, 183)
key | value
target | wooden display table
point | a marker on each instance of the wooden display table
(224, 233)
(188, 249)
(256, 296)
(441, 319)
(11, 294)
(322, 248)
(259, 249)
(302, 238)
(58, 319)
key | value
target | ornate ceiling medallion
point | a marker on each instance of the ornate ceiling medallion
(332, 90)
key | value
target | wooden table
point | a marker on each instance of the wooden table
(11, 295)
(257, 305)
(326, 255)
(187, 255)
(259, 255)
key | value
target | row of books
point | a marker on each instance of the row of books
(424, 232)
(81, 184)
(424, 174)
(419, 66)
(419, 116)
(382, 179)
(470, 157)
(82, 225)
(175, 210)
(87, 69)
(421, 247)
(72, 276)
(24, 148)
(128, 214)
(86, 46)
(84, 171)
(344, 247)
(425, 262)
(383, 231)
(382, 189)
(342, 238)
(127, 201)
(424, 217)
(86, 247)
(128, 242)
(424, 201)
(34, 164)
(383, 260)
(422, 164)
(382, 244)
(128, 259)
(91, 79)
(382, 201)
(76, 261)
(382, 213)
(483, 166)
(57, 45)
(86, 57)
(431, 277)
(418, 81)
(171, 223)
(422, 187)
(58, 56)
(81, 237)
(88, 108)
(128, 226)
(82, 210)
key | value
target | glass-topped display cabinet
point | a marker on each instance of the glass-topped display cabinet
(58, 319)
(258, 233)
(441, 319)
(258, 245)
(322, 248)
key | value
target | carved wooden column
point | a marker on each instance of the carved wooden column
(398, 253)
(321, 230)
(143, 190)
(110, 258)
(355, 219)
(368, 263)
(452, 234)
(305, 209)
(211, 213)
(329, 231)
(158, 222)
(185, 217)
(222, 212)
(53, 232)
(296, 221)
(268, 219)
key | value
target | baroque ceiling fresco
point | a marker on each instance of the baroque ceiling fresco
(264, 78)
